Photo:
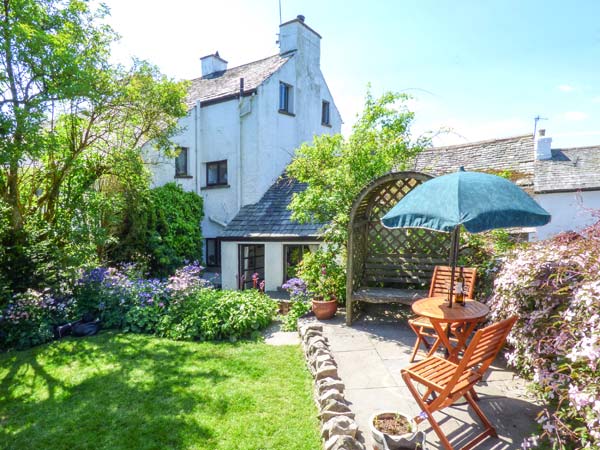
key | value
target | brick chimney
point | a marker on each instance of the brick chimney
(542, 146)
(296, 35)
(212, 64)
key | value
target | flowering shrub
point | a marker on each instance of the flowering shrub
(323, 274)
(184, 306)
(554, 287)
(29, 318)
(300, 303)
(103, 293)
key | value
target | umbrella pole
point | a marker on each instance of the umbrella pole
(454, 244)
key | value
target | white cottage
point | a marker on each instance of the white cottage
(243, 126)
(566, 182)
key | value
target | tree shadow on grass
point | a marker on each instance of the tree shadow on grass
(116, 392)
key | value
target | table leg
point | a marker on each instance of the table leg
(452, 350)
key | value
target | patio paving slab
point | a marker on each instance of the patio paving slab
(363, 369)
(370, 355)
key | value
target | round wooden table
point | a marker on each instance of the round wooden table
(436, 309)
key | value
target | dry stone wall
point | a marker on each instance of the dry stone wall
(338, 427)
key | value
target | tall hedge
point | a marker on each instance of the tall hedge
(162, 229)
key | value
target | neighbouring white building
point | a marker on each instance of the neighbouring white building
(565, 182)
(243, 126)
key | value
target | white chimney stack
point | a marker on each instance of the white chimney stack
(542, 146)
(212, 64)
(296, 35)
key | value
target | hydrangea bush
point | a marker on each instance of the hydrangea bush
(554, 287)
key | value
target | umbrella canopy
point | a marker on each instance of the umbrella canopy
(479, 201)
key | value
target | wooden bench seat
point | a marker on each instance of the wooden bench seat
(388, 295)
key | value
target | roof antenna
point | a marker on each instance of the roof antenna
(536, 119)
(279, 12)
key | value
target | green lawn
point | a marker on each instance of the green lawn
(124, 391)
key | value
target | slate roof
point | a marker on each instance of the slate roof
(570, 169)
(514, 154)
(223, 85)
(270, 218)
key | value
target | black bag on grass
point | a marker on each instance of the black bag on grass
(80, 329)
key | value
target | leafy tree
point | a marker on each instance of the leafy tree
(72, 126)
(337, 169)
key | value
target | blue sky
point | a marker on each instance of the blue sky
(484, 69)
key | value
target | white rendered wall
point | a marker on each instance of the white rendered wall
(219, 139)
(229, 265)
(163, 168)
(570, 211)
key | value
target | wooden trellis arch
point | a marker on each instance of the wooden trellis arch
(389, 265)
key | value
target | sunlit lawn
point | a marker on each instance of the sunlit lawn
(120, 391)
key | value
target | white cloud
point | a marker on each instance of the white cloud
(566, 88)
(575, 115)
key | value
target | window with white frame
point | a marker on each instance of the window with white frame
(216, 173)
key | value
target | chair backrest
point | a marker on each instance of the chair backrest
(440, 281)
(485, 345)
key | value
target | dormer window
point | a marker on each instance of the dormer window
(286, 98)
(325, 114)
(181, 163)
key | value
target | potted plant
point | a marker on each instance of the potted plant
(395, 431)
(324, 278)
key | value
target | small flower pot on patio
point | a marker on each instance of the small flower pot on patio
(398, 429)
(324, 309)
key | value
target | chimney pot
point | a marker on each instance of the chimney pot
(542, 133)
(300, 17)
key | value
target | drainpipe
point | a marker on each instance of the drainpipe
(240, 161)
(197, 136)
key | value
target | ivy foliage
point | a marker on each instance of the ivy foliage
(162, 230)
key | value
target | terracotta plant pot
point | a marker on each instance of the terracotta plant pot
(324, 309)
(410, 439)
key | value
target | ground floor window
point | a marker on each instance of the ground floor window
(213, 252)
(292, 255)
(251, 260)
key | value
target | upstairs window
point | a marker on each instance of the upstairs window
(181, 163)
(286, 99)
(325, 114)
(216, 173)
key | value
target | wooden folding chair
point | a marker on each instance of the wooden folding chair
(450, 381)
(440, 282)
